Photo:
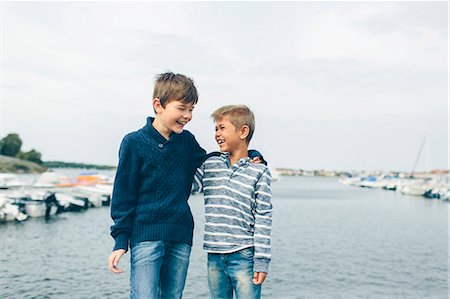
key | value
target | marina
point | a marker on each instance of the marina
(52, 193)
(329, 240)
(436, 186)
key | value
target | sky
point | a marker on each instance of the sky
(333, 85)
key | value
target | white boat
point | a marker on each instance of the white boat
(437, 190)
(52, 179)
(39, 208)
(71, 202)
(392, 184)
(446, 196)
(93, 200)
(97, 200)
(10, 180)
(35, 204)
(369, 182)
(350, 181)
(414, 187)
(98, 195)
(101, 189)
(65, 201)
(10, 211)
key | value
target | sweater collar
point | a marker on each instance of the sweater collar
(225, 156)
(153, 133)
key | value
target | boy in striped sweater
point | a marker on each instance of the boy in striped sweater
(238, 209)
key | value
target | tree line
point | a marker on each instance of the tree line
(10, 146)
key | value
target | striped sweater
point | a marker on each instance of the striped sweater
(238, 208)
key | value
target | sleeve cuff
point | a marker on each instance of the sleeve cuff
(261, 265)
(121, 242)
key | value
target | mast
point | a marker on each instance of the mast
(418, 156)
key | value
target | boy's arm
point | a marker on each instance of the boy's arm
(197, 184)
(125, 193)
(198, 156)
(263, 222)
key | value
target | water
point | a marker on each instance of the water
(329, 241)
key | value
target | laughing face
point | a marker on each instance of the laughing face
(173, 117)
(227, 136)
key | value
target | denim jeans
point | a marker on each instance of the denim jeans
(232, 272)
(158, 269)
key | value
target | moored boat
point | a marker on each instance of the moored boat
(9, 181)
(10, 211)
(52, 179)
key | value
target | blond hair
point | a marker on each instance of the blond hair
(239, 116)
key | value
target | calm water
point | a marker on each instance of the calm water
(329, 241)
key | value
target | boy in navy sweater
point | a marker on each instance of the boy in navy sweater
(153, 182)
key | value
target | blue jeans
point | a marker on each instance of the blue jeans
(158, 269)
(232, 272)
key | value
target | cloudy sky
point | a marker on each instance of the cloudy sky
(334, 85)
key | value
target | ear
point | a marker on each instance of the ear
(245, 130)
(157, 105)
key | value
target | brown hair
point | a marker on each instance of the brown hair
(175, 87)
(239, 116)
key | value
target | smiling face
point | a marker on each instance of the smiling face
(173, 117)
(228, 137)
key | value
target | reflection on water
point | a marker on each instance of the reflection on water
(329, 241)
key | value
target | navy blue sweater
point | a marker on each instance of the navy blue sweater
(152, 186)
